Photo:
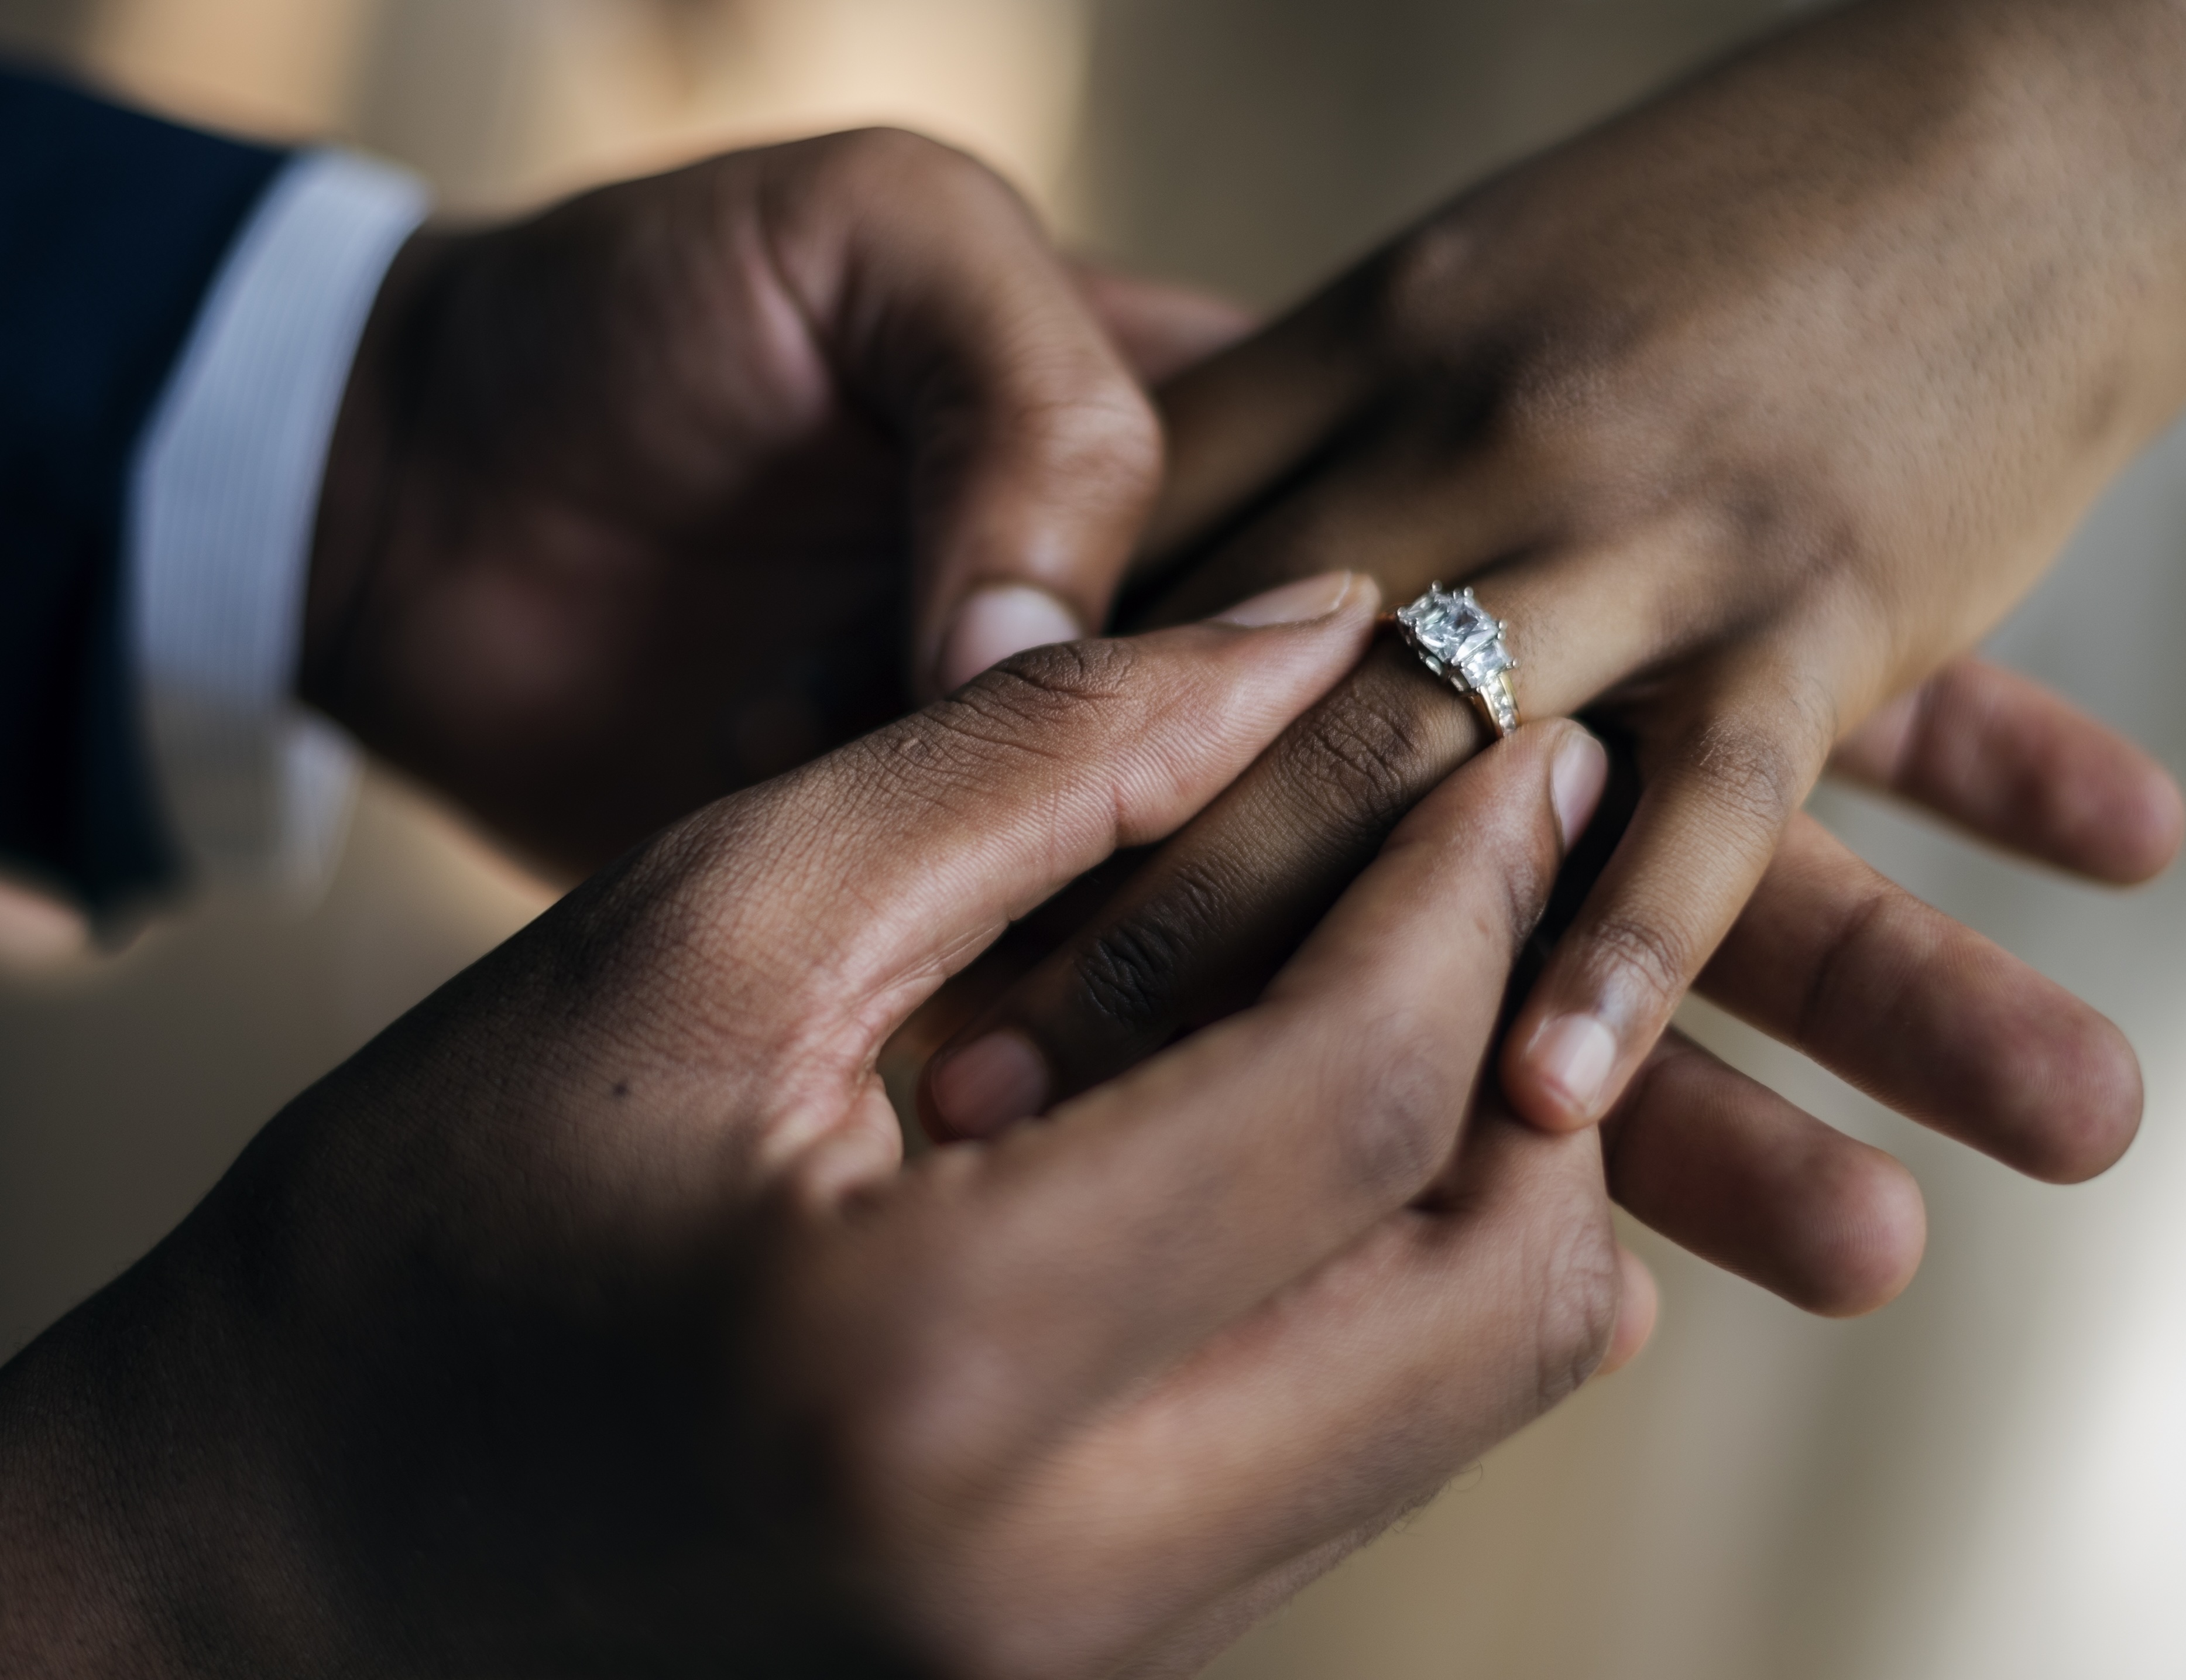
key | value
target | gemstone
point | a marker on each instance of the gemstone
(1457, 634)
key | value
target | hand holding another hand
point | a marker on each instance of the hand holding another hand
(1749, 412)
(589, 1321)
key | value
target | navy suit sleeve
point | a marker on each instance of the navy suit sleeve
(112, 226)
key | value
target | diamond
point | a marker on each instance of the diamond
(1455, 638)
(1457, 635)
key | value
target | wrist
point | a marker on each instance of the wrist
(363, 493)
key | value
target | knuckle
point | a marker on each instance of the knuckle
(1580, 1291)
(1127, 976)
(1416, 291)
(1041, 691)
(1750, 771)
(885, 155)
(1396, 1132)
(934, 764)
(1045, 713)
(1362, 755)
(1407, 293)
(1525, 384)
(1658, 956)
(1882, 917)
(1544, 372)
(1136, 973)
(901, 178)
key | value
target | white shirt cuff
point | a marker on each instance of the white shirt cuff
(217, 531)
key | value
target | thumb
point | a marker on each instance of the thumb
(1034, 453)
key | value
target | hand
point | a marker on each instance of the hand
(1747, 412)
(1488, 397)
(682, 482)
(1828, 957)
(588, 1321)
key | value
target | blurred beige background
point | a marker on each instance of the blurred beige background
(1988, 1479)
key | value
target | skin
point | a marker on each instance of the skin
(591, 1317)
(630, 503)
(1750, 413)
(590, 1320)
(686, 481)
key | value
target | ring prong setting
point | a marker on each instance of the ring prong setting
(1458, 640)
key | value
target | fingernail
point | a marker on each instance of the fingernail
(1576, 779)
(1309, 598)
(995, 623)
(991, 1083)
(1573, 1055)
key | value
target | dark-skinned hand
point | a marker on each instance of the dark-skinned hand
(590, 1321)
(1749, 412)
(674, 486)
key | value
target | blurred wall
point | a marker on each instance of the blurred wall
(499, 102)
(1983, 1481)
(1253, 144)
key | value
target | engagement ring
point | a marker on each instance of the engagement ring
(1457, 640)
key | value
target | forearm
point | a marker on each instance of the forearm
(82, 1586)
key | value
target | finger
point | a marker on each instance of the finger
(916, 845)
(1925, 1015)
(1581, 615)
(1198, 930)
(1240, 422)
(1035, 455)
(1156, 1208)
(1159, 327)
(1375, 492)
(1718, 792)
(1188, 1647)
(1725, 1168)
(1327, 1415)
(2009, 761)
(1200, 927)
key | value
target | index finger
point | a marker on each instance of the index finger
(1034, 453)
